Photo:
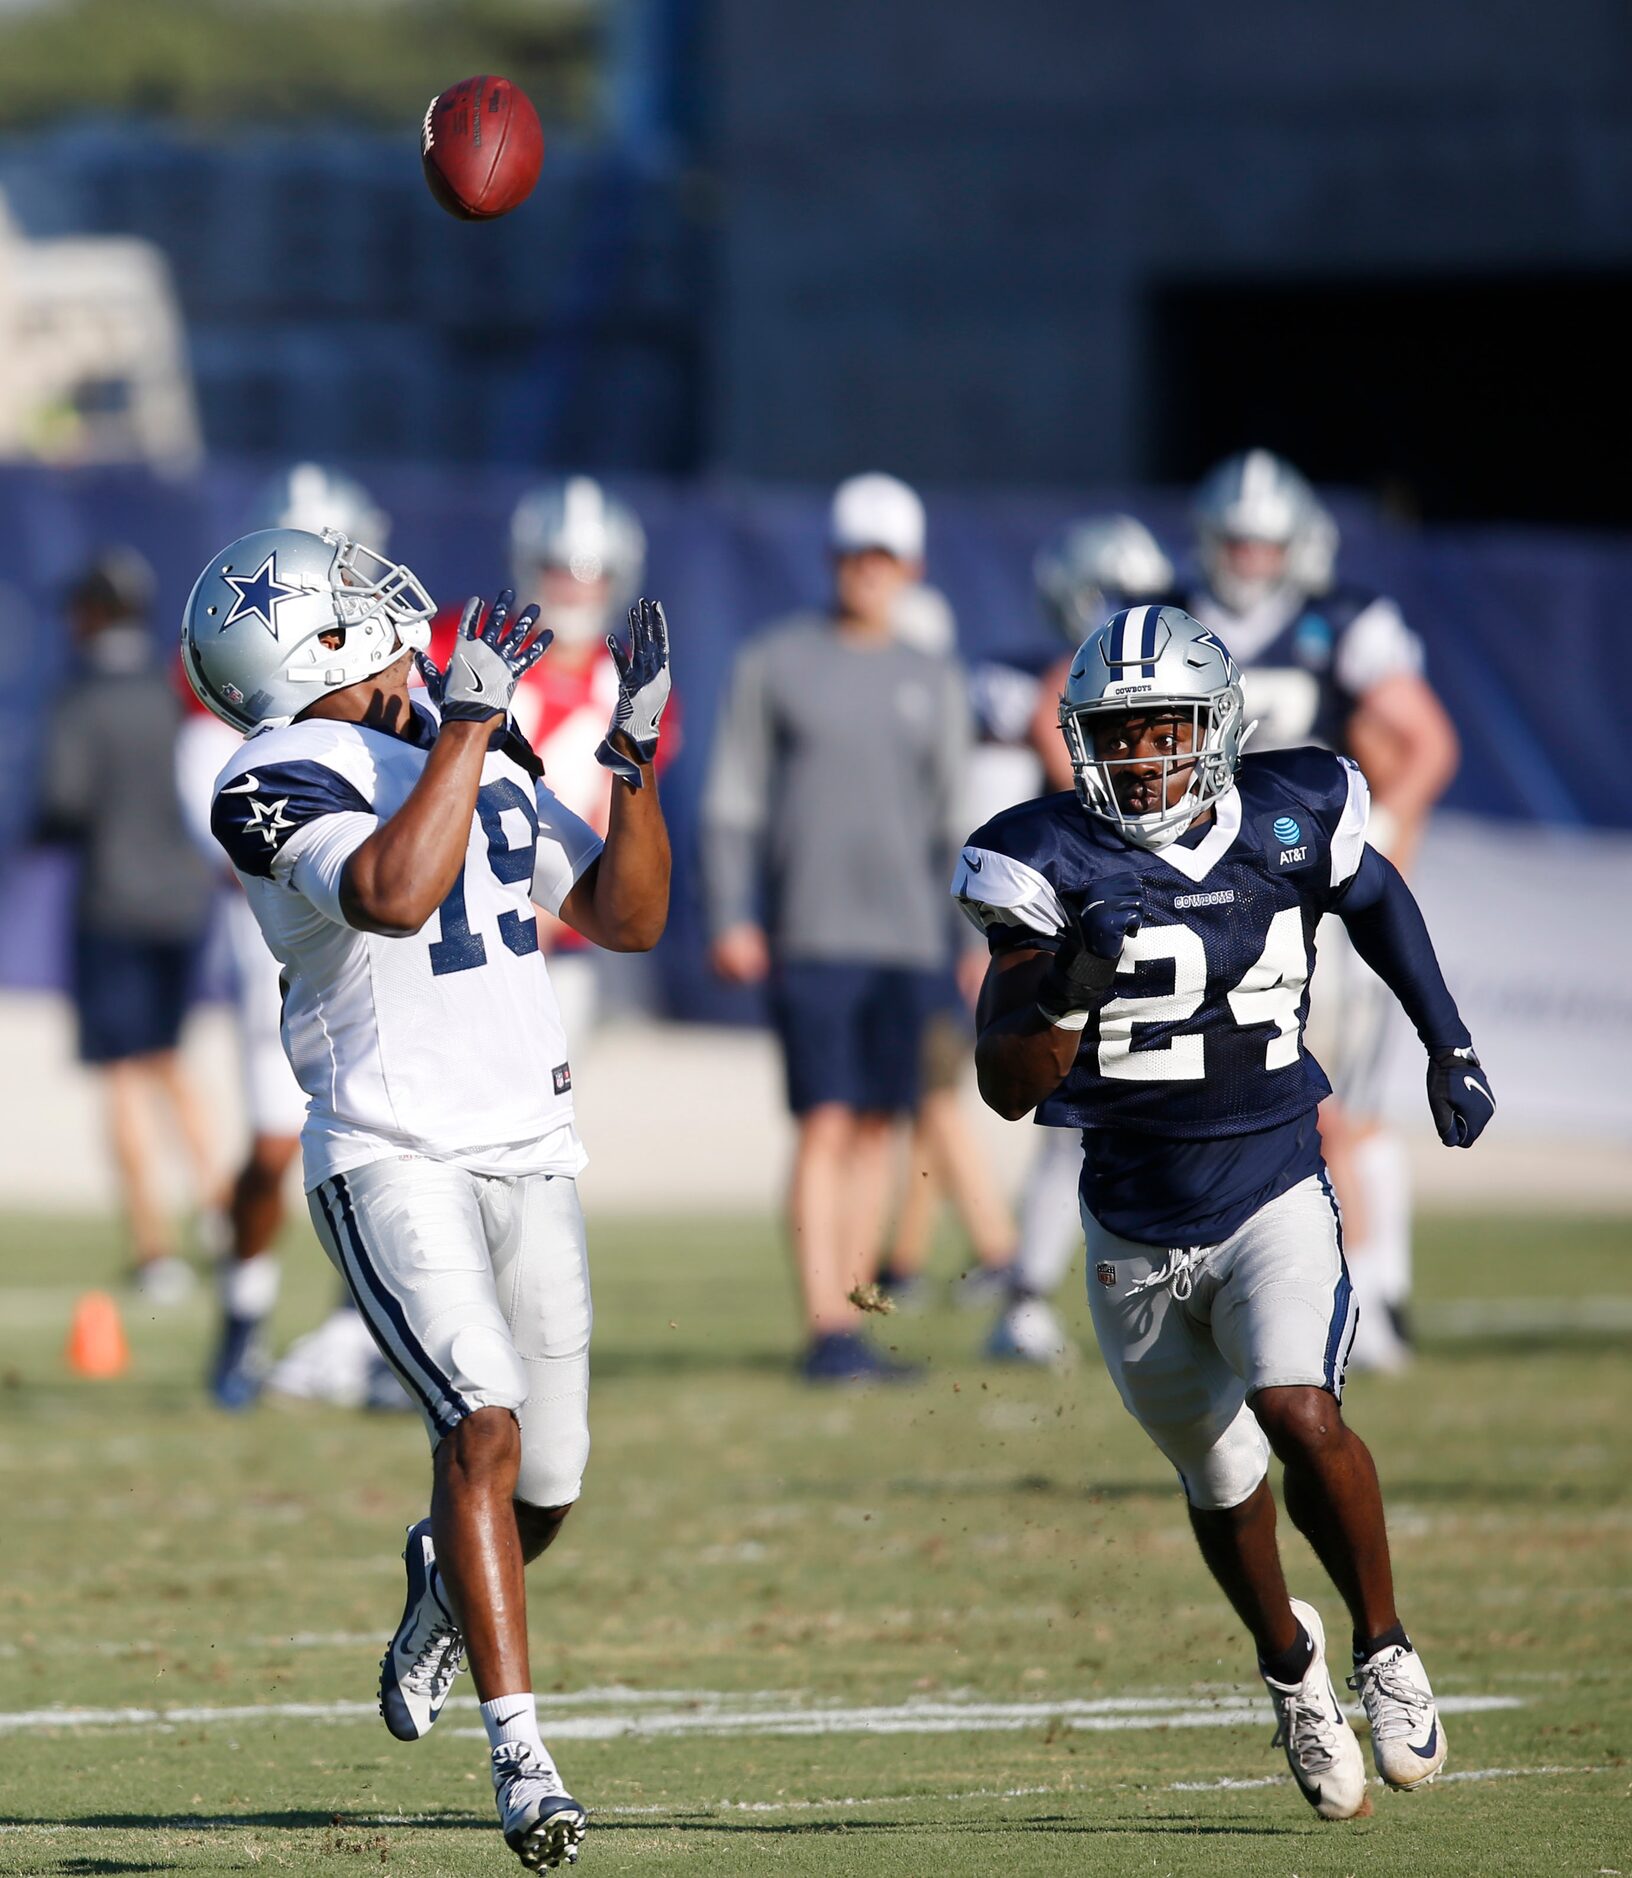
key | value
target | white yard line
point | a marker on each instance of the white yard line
(702, 1713)
(682, 1809)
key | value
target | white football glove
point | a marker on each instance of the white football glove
(643, 690)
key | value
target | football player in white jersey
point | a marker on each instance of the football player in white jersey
(1327, 661)
(392, 851)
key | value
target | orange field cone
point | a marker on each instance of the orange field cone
(96, 1338)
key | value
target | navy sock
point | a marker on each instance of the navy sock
(1384, 1640)
(1292, 1665)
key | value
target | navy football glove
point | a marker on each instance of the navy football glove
(491, 656)
(643, 690)
(1085, 964)
(1459, 1096)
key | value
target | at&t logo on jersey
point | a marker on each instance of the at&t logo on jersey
(1290, 847)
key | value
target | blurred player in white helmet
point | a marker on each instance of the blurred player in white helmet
(1326, 661)
(576, 553)
(1084, 574)
(337, 1362)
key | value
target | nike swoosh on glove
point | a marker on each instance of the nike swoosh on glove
(1086, 961)
(643, 690)
(491, 655)
(1459, 1095)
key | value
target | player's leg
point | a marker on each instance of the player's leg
(1028, 1328)
(249, 1275)
(407, 1235)
(1283, 1314)
(541, 1270)
(1150, 1317)
(134, 1140)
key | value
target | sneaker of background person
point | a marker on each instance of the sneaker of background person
(164, 1281)
(332, 1364)
(1030, 1332)
(843, 1356)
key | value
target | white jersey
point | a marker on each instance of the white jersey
(447, 1042)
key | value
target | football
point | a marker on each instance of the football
(482, 146)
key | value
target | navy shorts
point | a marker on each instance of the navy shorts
(131, 994)
(852, 1033)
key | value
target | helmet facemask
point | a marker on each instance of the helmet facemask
(1208, 764)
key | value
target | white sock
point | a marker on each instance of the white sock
(1050, 1222)
(249, 1287)
(1384, 1174)
(515, 1718)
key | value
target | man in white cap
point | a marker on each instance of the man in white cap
(830, 807)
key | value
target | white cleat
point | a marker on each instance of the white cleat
(1407, 1740)
(1321, 1748)
(424, 1658)
(542, 1823)
(1030, 1332)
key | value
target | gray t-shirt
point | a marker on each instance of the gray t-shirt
(831, 803)
(109, 788)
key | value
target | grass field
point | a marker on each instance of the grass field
(940, 1631)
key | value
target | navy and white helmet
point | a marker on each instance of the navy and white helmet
(1098, 563)
(252, 634)
(314, 496)
(575, 527)
(1256, 496)
(1154, 659)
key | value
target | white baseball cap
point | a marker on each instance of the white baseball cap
(876, 511)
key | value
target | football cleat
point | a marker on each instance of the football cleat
(333, 1363)
(427, 1653)
(1030, 1332)
(1407, 1739)
(542, 1824)
(1321, 1748)
(238, 1371)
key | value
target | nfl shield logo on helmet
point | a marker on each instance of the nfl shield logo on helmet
(1105, 1272)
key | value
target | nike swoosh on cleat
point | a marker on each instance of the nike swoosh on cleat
(245, 788)
(1427, 1753)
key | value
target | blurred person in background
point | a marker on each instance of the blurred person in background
(142, 900)
(337, 1362)
(829, 816)
(1329, 662)
(577, 554)
(1090, 570)
(944, 1155)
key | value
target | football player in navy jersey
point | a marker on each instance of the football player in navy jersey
(1325, 660)
(1152, 936)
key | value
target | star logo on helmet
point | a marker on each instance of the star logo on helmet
(259, 595)
(268, 820)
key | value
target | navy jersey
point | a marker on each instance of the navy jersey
(1200, 1040)
(1306, 662)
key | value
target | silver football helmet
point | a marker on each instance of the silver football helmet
(1311, 560)
(1153, 659)
(252, 634)
(1259, 497)
(574, 527)
(1096, 564)
(315, 496)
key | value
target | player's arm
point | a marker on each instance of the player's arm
(1045, 728)
(1390, 934)
(397, 878)
(1408, 747)
(734, 809)
(1035, 1004)
(621, 900)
